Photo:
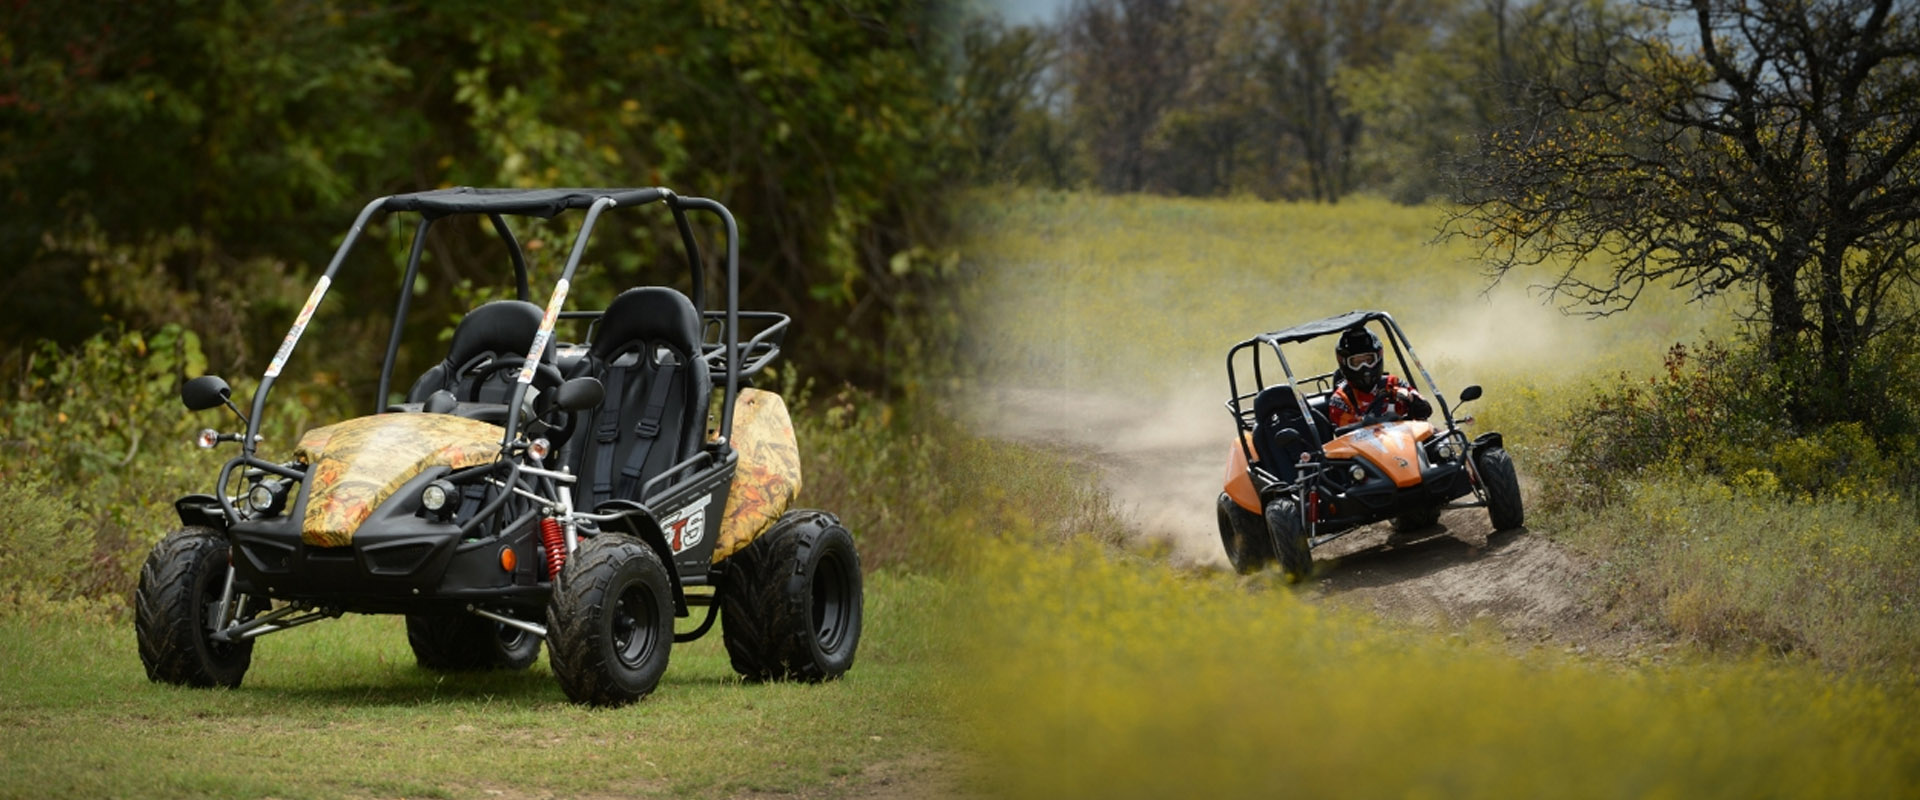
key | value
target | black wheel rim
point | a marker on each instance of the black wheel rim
(832, 603)
(635, 636)
(510, 637)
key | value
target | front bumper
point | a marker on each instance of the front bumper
(397, 561)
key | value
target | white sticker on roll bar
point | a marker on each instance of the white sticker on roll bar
(546, 331)
(299, 327)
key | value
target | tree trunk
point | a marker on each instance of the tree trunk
(1785, 322)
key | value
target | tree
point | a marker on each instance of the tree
(1768, 152)
(180, 156)
(1425, 108)
(1304, 46)
(1129, 61)
(1008, 86)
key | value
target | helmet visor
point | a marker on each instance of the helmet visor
(1359, 361)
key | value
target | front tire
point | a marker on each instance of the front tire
(179, 586)
(792, 603)
(610, 626)
(1502, 487)
(1290, 539)
(1244, 536)
(464, 643)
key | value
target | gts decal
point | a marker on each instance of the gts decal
(688, 526)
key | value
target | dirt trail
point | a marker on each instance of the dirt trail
(1164, 459)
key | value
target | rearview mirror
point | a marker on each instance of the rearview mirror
(1470, 393)
(204, 392)
(579, 394)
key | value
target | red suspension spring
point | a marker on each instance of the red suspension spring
(553, 545)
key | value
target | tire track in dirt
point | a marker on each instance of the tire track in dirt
(1163, 460)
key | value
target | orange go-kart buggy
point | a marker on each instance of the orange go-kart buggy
(1295, 482)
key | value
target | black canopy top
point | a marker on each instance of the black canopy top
(1322, 327)
(543, 203)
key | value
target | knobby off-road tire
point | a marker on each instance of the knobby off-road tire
(610, 626)
(179, 585)
(1244, 536)
(1290, 537)
(1417, 520)
(791, 603)
(1502, 487)
(461, 642)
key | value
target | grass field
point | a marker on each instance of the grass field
(338, 709)
(1130, 679)
(1102, 677)
(1015, 648)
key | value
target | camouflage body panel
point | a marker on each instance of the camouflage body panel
(767, 477)
(359, 463)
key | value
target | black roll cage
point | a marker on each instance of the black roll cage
(496, 204)
(1396, 338)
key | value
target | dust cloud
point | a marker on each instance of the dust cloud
(1160, 436)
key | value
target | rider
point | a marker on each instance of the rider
(1365, 387)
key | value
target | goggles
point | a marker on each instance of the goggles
(1362, 360)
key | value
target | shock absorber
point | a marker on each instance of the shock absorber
(553, 545)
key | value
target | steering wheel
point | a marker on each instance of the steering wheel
(548, 372)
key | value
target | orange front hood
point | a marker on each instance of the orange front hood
(358, 464)
(1394, 447)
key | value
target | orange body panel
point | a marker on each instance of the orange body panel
(1239, 484)
(1393, 447)
(359, 463)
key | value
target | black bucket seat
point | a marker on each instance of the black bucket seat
(646, 352)
(473, 370)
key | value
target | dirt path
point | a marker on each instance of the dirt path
(1164, 460)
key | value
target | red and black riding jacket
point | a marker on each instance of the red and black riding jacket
(1348, 405)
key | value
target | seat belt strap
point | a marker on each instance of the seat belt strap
(607, 432)
(648, 429)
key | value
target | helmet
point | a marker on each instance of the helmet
(1359, 355)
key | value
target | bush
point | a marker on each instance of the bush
(1715, 411)
(922, 494)
(96, 441)
(1742, 566)
(49, 562)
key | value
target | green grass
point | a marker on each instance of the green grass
(338, 709)
(1105, 677)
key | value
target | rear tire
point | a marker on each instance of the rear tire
(1244, 536)
(460, 642)
(1502, 487)
(1290, 537)
(179, 585)
(610, 626)
(792, 601)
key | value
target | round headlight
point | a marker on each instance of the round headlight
(261, 498)
(267, 497)
(435, 497)
(1357, 473)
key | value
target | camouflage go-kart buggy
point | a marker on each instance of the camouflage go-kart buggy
(525, 489)
(1295, 482)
